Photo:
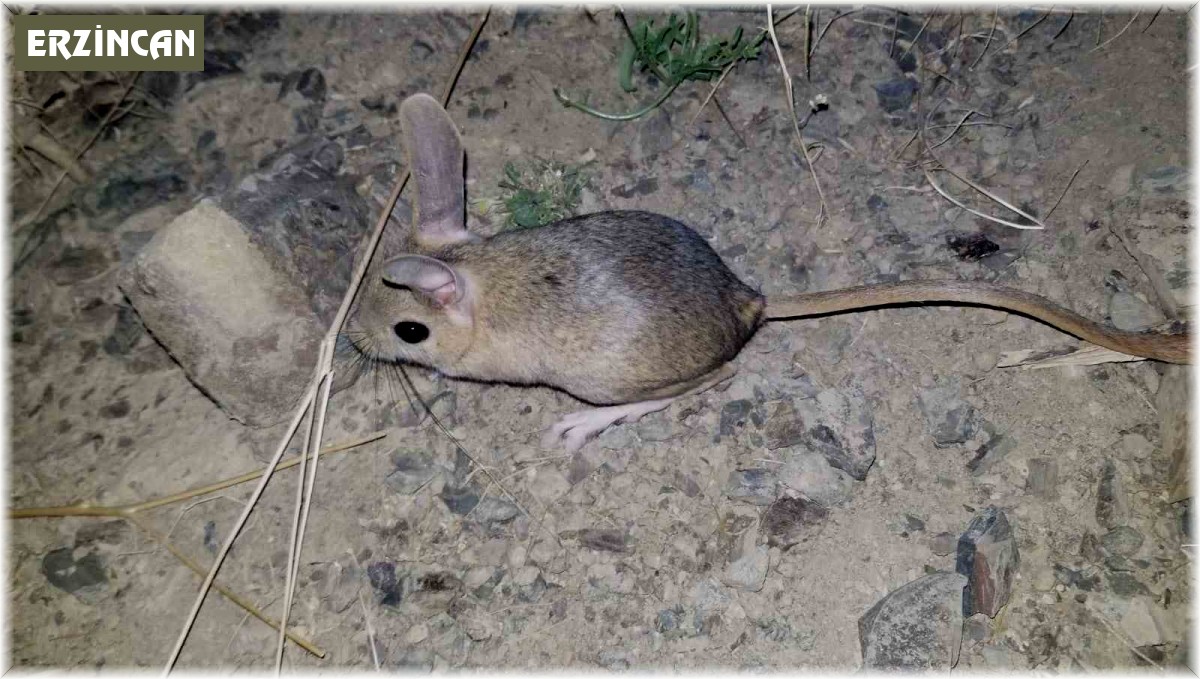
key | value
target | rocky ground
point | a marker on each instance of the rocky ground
(807, 514)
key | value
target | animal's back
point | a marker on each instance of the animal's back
(612, 306)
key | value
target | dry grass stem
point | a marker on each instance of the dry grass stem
(242, 603)
(973, 211)
(118, 511)
(1119, 33)
(1064, 191)
(791, 102)
(986, 45)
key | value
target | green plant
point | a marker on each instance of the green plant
(675, 54)
(540, 192)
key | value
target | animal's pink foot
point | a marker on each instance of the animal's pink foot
(576, 429)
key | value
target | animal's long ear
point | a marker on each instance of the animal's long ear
(435, 157)
(432, 279)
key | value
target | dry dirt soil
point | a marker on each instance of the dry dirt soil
(646, 550)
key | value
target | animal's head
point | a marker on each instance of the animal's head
(413, 307)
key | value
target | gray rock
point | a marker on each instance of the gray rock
(383, 579)
(895, 95)
(788, 521)
(601, 539)
(950, 419)
(1042, 478)
(228, 287)
(830, 344)
(838, 424)
(616, 659)
(85, 578)
(1122, 540)
(1139, 625)
(654, 137)
(1125, 584)
(495, 510)
(1166, 179)
(411, 470)
(734, 416)
(994, 449)
(977, 628)
(748, 568)
(460, 499)
(916, 627)
(943, 543)
(811, 476)
(1127, 311)
(126, 332)
(669, 620)
(1111, 505)
(755, 486)
(988, 557)
(656, 427)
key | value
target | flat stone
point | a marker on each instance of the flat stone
(810, 475)
(85, 578)
(988, 557)
(950, 419)
(755, 486)
(748, 569)
(916, 627)
(229, 289)
(837, 424)
(1042, 479)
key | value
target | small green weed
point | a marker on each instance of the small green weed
(540, 192)
(674, 54)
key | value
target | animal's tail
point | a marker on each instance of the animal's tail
(1171, 347)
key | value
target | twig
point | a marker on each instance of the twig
(298, 537)
(913, 43)
(1156, 13)
(826, 29)
(732, 127)
(288, 581)
(1064, 26)
(895, 32)
(712, 92)
(807, 40)
(974, 211)
(953, 132)
(1119, 33)
(225, 591)
(1064, 191)
(986, 45)
(942, 167)
(117, 511)
(791, 102)
(1027, 29)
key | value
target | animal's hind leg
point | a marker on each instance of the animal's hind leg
(576, 429)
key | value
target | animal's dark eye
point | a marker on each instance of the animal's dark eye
(413, 333)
